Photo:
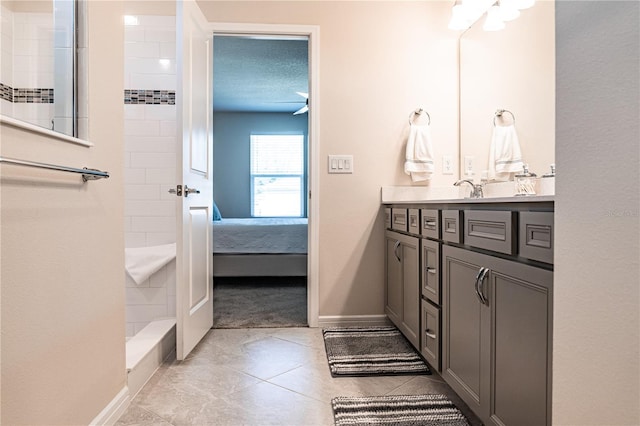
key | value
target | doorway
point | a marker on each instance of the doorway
(266, 113)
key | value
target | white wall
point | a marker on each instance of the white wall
(150, 163)
(231, 154)
(62, 331)
(596, 374)
(379, 61)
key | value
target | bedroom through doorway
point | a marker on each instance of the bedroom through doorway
(260, 180)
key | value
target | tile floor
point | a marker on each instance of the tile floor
(275, 376)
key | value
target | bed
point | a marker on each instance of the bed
(260, 247)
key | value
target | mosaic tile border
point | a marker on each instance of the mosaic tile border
(28, 96)
(149, 97)
(6, 92)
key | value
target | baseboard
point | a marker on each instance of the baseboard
(112, 412)
(352, 320)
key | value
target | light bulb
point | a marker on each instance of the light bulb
(493, 21)
(459, 20)
(508, 11)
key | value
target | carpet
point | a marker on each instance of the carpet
(370, 351)
(400, 410)
(259, 302)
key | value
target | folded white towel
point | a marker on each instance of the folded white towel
(419, 153)
(141, 263)
(505, 156)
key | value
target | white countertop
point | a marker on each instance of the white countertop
(435, 195)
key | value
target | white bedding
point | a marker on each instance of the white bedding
(260, 235)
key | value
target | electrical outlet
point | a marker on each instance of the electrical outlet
(468, 165)
(447, 165)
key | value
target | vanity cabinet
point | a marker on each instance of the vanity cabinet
(402, 290)
(496, 336)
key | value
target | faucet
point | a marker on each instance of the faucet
(476, 189)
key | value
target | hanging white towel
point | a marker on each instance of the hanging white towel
(505, 156)
(419, 153)
(141, 263)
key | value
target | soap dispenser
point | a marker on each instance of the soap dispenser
(525, 182)
(548, 182)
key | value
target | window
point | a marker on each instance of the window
(277, 175)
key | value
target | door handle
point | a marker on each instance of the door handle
(431, 270)
(430, 334)
(188, 191)
(477, 284)
(485, 301)
(395, 251)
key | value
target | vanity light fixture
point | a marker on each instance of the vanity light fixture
(494, 21)
(459, 20)
(466, 12)
(508, 10)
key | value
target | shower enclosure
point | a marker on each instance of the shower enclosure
(150, 170)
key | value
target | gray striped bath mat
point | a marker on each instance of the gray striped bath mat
(371, 351)
(397, 410)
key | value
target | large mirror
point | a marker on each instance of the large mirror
(512, 69)
(38, 63)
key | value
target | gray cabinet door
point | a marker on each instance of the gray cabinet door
(465, 350)
(496, 350)
(393, 282)
(520, 299)
(402, 290)
(411, 290)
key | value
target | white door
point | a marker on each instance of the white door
(194, 261)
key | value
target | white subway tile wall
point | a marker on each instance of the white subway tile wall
(26, 64)
(150, 161)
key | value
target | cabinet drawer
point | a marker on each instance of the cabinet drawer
(451, 225)
(430, 338)
(413, 221)
(536, 236)
(430, 223)
(399, 219)
(387, 217)
(491, 230)
(431, 270)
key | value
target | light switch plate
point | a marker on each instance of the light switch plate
(341, 164)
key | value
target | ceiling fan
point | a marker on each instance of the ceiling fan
(305, 108)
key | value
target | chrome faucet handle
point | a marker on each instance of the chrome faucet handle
(476, 189)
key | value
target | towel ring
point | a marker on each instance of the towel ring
(418, 112)
(499, 113)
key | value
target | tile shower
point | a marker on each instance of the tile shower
(150, 160)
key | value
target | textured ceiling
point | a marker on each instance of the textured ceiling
(259, 75)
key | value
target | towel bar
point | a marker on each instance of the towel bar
(499, 113)
(418, 112)
(87, 174)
